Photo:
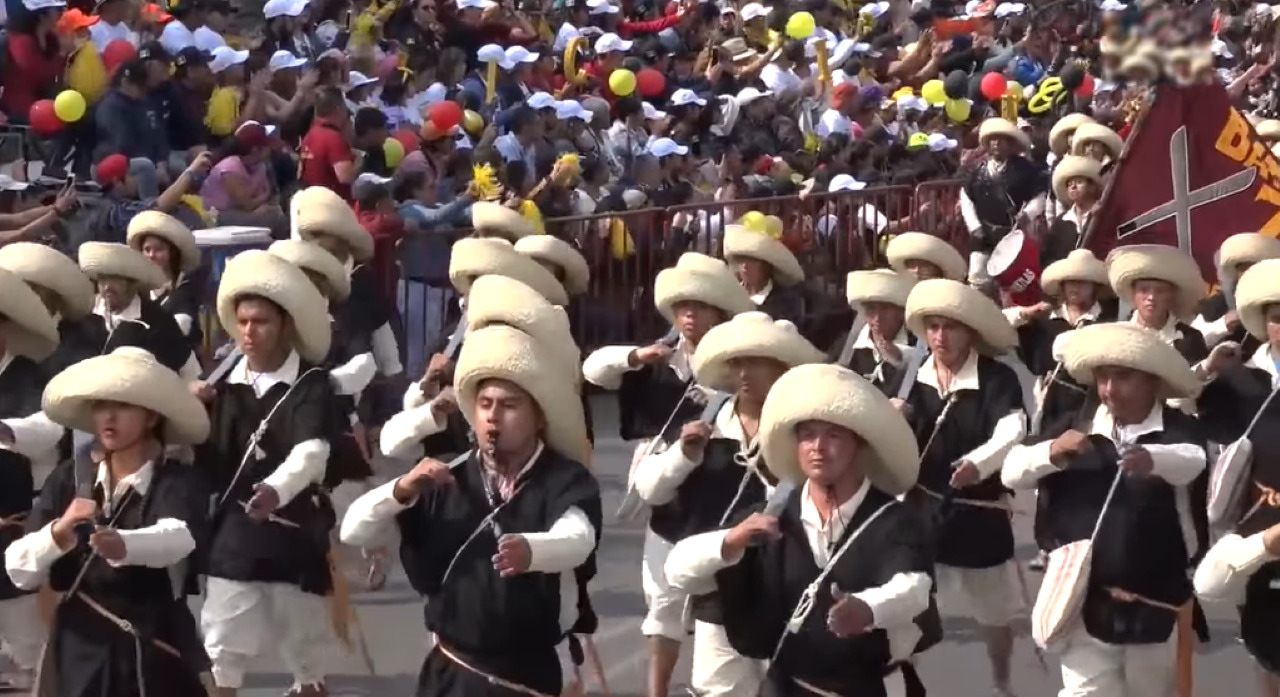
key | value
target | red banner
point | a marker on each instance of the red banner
(1193, 173)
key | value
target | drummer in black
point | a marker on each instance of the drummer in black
(879, 349)
(766, 268)
(1219, 320)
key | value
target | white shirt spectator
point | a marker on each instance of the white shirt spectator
(102, 34)
(176, 36)
(207, 39)
(832, 121)
(780, 81)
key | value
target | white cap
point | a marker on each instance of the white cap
(754, 10)
(283, 8)
(909, 102)
(664, 147)
(541, 100)
(517, 55)
(567, 33)
(570, 109)
(652, 113)
(1010, 9)
(681, 97)
(36, 5)
(283, 60)
(8, 183)
(358, 79)
(939, 142)
(845, 182)
(602, 7)
(751, 94)
(875, 9)
(491, 53)
(225, 57)
(610, 43)
(476, 4)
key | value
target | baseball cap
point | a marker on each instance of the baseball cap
(357, 79)
(252, 134)
(612, 43)
(369, 185)
(111, 169)
(754, 10)
(153, 51)
(475, 4)
(74, 20)
(283, 8)
(151, 12)
(134, 71)
(681, 97)
(190, 57)
(225, 57)
(541, 100)
(283, 60)
(845, 182)
(665, 147)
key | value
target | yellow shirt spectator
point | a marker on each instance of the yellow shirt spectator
(223, 114)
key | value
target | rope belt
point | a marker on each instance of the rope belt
(127, 627)
(977, 503)
(814, 690)
(1185, 641)
(493, 679)
(1269, 498)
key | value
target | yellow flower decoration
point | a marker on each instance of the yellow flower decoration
(485, 182)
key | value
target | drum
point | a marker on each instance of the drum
(218, 244)
(1015, 266)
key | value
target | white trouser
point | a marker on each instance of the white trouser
(666, 604)
(1097, 669)
(992, 597)
(718, 670)
(21, 630)
(241, 620)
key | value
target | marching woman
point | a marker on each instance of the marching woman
(267, 457)
(880, 347)
(967, 410)
(1219, 320)
(112, 534)
(834, 589)
(1062, 132)
(1122, 641)
(1164, 287)
(925, 256)
(171, 246)
(1077, 186)
(67, 294)
(714, 475)
(500, 543)
(765, 267)
(1097, 142)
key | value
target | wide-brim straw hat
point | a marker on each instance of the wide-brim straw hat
(1064, 128)
(98, 259)
(128, 375)
(889, 457)
(1269, 129)
(997, 126)
(1257, 289)
(501, 300)
(30, 331)
(259, 273)
(44, 266)
(549, 249)
(925, 247)
(501, 352)
(494, 219)
(749, 335)
(741, 242)
(318, 210)
(171, 230)
(1128, 265)
(474, 257)
(1096, 133)
(940, 297)
(1079, 265)
(1137, 62)
(1072, 167)
(700, 278)
(310, 256)
(1242, 248)
(878, 286)
(1125, 345)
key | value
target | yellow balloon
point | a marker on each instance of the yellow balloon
(934, 92)
(622, 82)
(86, 74)
(754, 221)
(70, 106)
(472, 122)
(800, 25)
(958, 110)
(1015, 88)
(773, 226)
(393, 150)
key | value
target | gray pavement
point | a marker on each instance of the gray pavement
(391, 621)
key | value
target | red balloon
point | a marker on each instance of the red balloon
(118, 53)
(445, 115)
(44, 118)
(408, 139)
(650, 83)
(993, 86)
(1086, 87)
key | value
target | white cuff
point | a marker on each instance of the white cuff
(157, 546)
(658, 477)
(386, 351)
(565, 546)
(184, 323)
(405, 431)
(303, 466)
(352, 377)
(371, 517)
(605, 366)
(1026, 465)
(1007, 433)
(34, 436)
(692, 564)
(29, 559)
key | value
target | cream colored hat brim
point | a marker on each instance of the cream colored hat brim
(878, 286)
(741, 242)
(697, 261)
(1242, 248)
(31, 331)
(940, 297)
(1139, 62)
(317, 210)
(837, 395)
(43, 266)
(925, 247)
(98, 259)
(1257, 289)
(310, 256)
(500, 352)
(499, 300)
(260, 273)
(719, 290)
(169, 229)
(1071, 167)
(1096, 133)
(132, 376)
(1079, 265)
(1269, 129)
(1128, 265)
(749, 335)
(555, 251)
(1126, 345)
(997, 126)
(1065, 127)
(473, 257)
(496, 219)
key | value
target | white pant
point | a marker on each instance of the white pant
(666, 604)
(718, 670)
(991, 597)
(1096, 669)
(22, 632)
(242, 620)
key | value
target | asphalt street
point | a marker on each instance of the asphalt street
(391, 622)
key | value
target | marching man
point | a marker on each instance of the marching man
(881, 347)
(1219, 319)
(925, 256)
(766, 268)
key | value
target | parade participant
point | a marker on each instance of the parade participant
(560, 258)
(490, 219)
(521, 504)
(999, 191)
(1218, 320)
(1137, 588)
(111, 534)
(1098, 143)
(66, 293)
(171, 246)
(124, 277)
(1063, 130)
(1077, 187)
(714, 474)
(924, 256)
(841, 533)
(654, 383)
(883, 341)
(766, 268)
(266, 458)
(966, 409)
(1163, 286)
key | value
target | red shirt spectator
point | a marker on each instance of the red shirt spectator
(387, 229)
(30, 73)
(322, 148)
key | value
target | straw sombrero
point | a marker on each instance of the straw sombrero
(878, 286)
(940, 297)
(44, 266)
(1072, 167)
(1138, 62)
(473, 257)
(499, 300)
(1064, 128)
(1257, 289)
(1242, 248)
(925, 247)
(127, 375)
(1129, 346)
(997, 126)
(739, 241)
(749, 335)
(171, 230)
(1128, 265)
(317, 210)
(1079, 265)
(700, 278)
(836, 395)
(1096, 133)
(260, 273)
(496, 220)
(310, 256)
(500, 352)
(98, 259)
(30, 331)
(552, 250)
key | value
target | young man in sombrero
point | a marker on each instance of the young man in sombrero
(267, 459)
(767, 270)
(1137, 589)
(560, 258)
(1002, 192)
(67, 294)
(171, 246)
(925, 256)
(883, 342)
(848, 453)
(1163, 286)
(1077, 186)
(112, 534)
(499, 542)
(1219, 319)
